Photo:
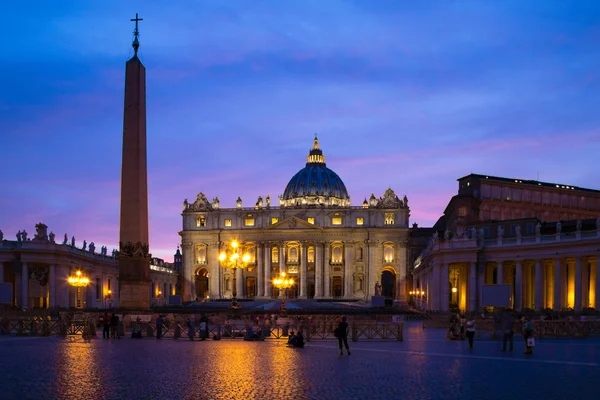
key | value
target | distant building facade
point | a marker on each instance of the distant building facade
(35, 271)
(542, 239)
(333, 250)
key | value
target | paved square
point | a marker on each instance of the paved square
(424, 366)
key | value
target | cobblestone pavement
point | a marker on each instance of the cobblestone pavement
(424, 366)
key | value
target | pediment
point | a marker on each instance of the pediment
(293, 223)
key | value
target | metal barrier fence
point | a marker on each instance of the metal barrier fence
(46, 327)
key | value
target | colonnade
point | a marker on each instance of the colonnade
(555, 283)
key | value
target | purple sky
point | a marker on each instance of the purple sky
(404, 94)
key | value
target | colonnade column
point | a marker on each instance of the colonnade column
(372, 267)
(303, 269)
(585, 283)
(473, 287)
(348, 290)
(326, 260)
(318, 270)
(539, 291)
(500, 273)
(578, 285)
(518, 303)
(259, 269)
(52, 283)
(481, 270)
(25, 286)
(444, 281)
(557, 284)
(597, 291)
(268, 258)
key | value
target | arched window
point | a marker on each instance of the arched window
(275, 255)
(388, 253)
(359, 254)
(336, 255)
(311, 255)
(201, 254)
(293, 254)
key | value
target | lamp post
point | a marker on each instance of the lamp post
(231, 258)
(282, 284)
(78, 281)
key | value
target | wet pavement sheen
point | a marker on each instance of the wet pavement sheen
(424, 366)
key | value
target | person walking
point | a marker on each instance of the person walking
(342, 335)
(105, 326)
(470, 331)
(508, 334)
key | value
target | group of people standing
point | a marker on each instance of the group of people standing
(505, 323)
(110, 326)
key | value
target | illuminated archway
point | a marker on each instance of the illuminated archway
(388, 282)
(201, 283)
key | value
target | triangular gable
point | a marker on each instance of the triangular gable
(293, 223)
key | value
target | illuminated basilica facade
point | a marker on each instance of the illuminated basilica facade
(332, 249)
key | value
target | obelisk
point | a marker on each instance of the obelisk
(134, 256)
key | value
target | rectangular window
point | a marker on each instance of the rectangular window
(98, 289)
(529, 228)
(109, 288)
(360, 221)
(201, 222)
(249, 222)
(311, 220)
(274, 220)
(227, 222)
(336, 221)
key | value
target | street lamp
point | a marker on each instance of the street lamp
(282, 284)
(108, 297)
(78, 281)
(231, 258)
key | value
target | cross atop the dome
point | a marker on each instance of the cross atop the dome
(316, 143)
(315, 156)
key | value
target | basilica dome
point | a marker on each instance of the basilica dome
(315, 184)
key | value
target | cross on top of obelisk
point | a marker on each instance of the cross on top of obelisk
(136, 34)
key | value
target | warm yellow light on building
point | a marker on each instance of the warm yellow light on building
(311, 220)
(360, 221)
(78, 279)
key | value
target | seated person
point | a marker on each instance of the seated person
(291, 338)
(249, 334)
(298, 340)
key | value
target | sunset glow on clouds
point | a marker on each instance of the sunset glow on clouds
(404, 94)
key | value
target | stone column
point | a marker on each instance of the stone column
(473, 287)
(539, 289)
(239, 283)
(348, 266)
(585, 283)
(318, 270)
(578, 284)
(597, 291)
(518, 303)
(557, 285)
(372, 267)
(25, 286)
(281, 257)
(482, 266)
(214, 269)
(52, 283)
(187, 273)
(326, 265)
(500, 273)
(268, 257)
(303, 269)
(444, 294)
(260, 248)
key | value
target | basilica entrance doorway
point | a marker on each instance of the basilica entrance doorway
(337, 286)
(202, 283)
(388, 283)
